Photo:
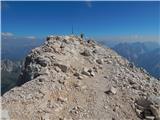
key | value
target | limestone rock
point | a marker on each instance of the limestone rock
(156, 111)
(63, 67)
(99, 61)
(45, 117)
(149, 117)
(4, 115)
(66, 78)
(92, 73)
(86, 52)
(62, 99)
(85, 71)
(43, 61)
(112, 90)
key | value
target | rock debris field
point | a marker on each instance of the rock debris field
(69, 78)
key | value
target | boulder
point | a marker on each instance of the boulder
(139, 113)
(62, 99)
(92, 73)
(150, 107)
(86, 52)
(85, 71)
(43, 71)
(112, 90)
(80, 77)
(149, 117)
(76, 74)
(64, 68)
(43, 61)
(99, 61)
(156, 111)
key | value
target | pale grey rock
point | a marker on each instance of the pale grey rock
(131, 81)
(156, 111)
(62, 99)
(4, 115)
(57, 69)
(139, 113)
(45, 117)
(63, 67)
(154, 99)
(43, 61)
(85, 71)
(112, 90)
(80, 77)
(77, 84)
(99, 61)
(92, 73)
(149, 117)
(86, 52)
(44, 71)
(76, 74)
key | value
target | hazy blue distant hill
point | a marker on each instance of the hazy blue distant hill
(10, 71)
(131, 50)
(16, 48)
(151, 45)
(151, 62)
(146, 55)
(15, 53)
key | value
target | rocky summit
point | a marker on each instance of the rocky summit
(70, 78)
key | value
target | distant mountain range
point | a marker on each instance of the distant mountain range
(16, 48)
(13, 51)
(10, 71)
(151, 62)
(146, 55)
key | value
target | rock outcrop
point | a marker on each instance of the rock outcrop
(69, 78)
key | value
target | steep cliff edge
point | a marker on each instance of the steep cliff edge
(69, 78)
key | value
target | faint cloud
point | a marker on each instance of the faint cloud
(7, 34)
(88, 3)
(31, 37)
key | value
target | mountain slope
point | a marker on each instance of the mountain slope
(10, 70)
(131, 51)
(68, 78)
(144, 55)
(151, 62)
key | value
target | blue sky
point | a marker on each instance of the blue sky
(95, 19)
